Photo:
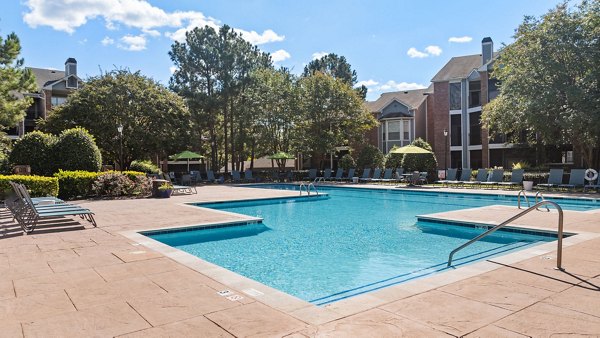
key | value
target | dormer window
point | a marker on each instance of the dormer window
(72, 82)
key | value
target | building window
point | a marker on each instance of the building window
(474, 94)
(476, 159)
(393, 129)
(57, 100)
(455, 130)
(72, 82)
(456, 159)
(406, 130)
(455, 100)
(567, 157)
(475, 128)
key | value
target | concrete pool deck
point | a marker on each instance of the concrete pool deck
(82, 281)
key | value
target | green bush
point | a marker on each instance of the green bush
(347, 162)
(144, 166)
(421, 143)
(115, 184)
(75, 184)
(393, 160)
(77, 150)
(419, 162)
(36, 185)
(369, 157)
(36, 150)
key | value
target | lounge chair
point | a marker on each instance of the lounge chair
(415, 178)
(465, 176)
(516, 179)
(398, 175)
(376, 175)
(235, 176)
(338, 174)
(186, 189)
(312, 174)
(450, 176)
(481, 176)
(350, 175)
(210, 176)
(326, 175)
(248, 176)
(576, 179)
(497, 176)
(28, 214)
(387, 176)
(366, 174)
(554, 179)
(593, 186)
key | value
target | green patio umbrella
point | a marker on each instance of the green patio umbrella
(410, 149)
(280, 158)
(186, 155)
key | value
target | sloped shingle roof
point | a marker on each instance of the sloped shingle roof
(411, 98)
(44, 77)
(459, 67)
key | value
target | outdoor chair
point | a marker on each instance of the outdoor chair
(398, 175)
(416, 178)
(554, 179)
(185, 189)
(387, 176)
(450, 176)
(349, 176)
(27, 214)
(481, 176)
(338, 174)
(290, 176)
(465, 176)
(235, 176)
(497, 176)
(366, 174)
(326, 174)
(312, 174)
(248, 176)
(576, 179)
(186, 179)
(376, 175)
(516, 179)
(210, 176)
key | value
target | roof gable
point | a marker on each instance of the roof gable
(411, 99)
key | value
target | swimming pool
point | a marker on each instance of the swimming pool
(354, 241)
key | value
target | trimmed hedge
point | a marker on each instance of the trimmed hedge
(36, 150)
(393, 160)
(144, 166)
(80, 184)
(38, 186)
(77, 150)
(347, 162)
(419, 162)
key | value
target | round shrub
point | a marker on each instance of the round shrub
(77, 150)
(34, 149)
(347, 162)
(146, 167)
(419, 162)
(393, 160)
(421, 143)
(369, 157)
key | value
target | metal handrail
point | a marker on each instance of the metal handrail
(314, 187)
(319, 179)
(519, 215)
(303, 185)
(539, 193)
(519, 199)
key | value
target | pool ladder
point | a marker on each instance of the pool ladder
(524, 194)
(318, 180)
(517, 216)
(308, 189)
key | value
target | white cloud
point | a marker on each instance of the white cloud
(133, 43)
(433, 50)
(394, 86)
(172, 69)
(460, 39)
(107, 41)
(280, 55)
(318, 55)
(414, 53)
(68, 15)
(366, 83)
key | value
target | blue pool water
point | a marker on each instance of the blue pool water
(351, 242)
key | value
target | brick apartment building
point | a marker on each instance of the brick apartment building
(448, 116)
(53, 87)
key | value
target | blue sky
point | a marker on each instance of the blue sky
(393, 45)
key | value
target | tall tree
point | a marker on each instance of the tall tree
(14, 81)
(155, 120)
(337, 67)
(213, 69)
(550, 80)
(332, 113)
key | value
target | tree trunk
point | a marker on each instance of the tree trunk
(225, 138)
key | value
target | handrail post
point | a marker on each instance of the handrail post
(539, 193)
(519, 199)
(517, 216)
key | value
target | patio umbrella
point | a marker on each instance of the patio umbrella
(281, 157)
(410, 149)
(186, 155)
